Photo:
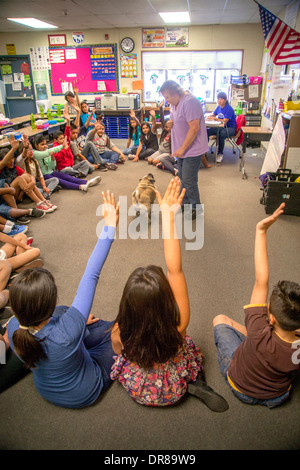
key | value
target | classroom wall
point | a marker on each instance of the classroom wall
(248, 37)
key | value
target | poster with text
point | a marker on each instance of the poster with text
(128, 64)
(177, 37)
(153, 37)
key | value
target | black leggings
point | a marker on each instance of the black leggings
(13, 370)
(144, 153)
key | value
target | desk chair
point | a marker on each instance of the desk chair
(235, 140)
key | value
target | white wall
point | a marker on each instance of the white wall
(248, 37)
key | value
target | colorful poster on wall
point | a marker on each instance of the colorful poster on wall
(11, 49)
(128, 64)
(6, 69)
(57, 56)
(177, 37)
(103, 63)
(153, 37)
(39, 58)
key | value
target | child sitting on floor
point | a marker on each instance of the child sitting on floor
(85, 115)
(157, 362)
(107, 149)
(17, 254)
(65, 158)
(258, 360)
(84, 149)
(47, 162)
(28, 163)
(21, 181)
(134, 133)
(148, 141)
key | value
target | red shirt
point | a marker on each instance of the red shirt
(65, 157)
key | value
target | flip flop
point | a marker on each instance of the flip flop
(36, 263)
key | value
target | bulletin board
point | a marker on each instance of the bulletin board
(94, 69)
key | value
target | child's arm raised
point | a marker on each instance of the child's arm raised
(169, 205)
(10, 154)
(153, 127)
(133, 116)
(87, 286)
(261, 284)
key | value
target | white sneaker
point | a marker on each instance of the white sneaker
(94, 181)
(52, 206)
(83, 187)
(44, 207)
(219, 158)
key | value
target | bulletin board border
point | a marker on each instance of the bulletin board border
(89, 46)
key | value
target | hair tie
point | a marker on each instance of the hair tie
(24, 327)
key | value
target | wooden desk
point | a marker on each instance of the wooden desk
(31, 132)
(261, 134)
(19, 122)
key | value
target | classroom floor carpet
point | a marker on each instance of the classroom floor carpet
(220, 277)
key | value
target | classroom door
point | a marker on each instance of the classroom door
(15, 73)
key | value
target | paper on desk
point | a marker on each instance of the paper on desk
(275, 148)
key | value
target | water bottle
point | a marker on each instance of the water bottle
(32, 118)
(42, 111)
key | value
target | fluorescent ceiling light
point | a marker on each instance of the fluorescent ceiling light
(175, 16)
(33, 23)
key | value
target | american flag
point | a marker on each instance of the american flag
(283, 42)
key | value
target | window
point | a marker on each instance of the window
(203, 73)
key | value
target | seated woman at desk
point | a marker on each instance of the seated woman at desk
(226, 115)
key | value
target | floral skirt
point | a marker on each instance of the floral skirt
(163, 384)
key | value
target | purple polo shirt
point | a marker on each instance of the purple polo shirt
(188, 109)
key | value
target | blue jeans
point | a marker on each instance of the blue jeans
(50, 183)
(223, 134)
(98, 344)
(97, 341)
(227, 340)
(109, 156)
(129, 150)
(188, 174)
(90, 152)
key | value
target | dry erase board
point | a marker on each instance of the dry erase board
(94, 69)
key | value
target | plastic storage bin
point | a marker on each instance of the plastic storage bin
(282, 187)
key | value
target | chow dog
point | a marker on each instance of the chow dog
(144, 194)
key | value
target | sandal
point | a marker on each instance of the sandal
(36, 263)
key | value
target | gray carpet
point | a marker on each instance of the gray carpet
(220, 279)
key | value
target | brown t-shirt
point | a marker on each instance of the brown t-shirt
(261, 366)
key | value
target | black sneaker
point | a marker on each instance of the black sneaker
(23, 220)
(102, 167)
(38, 213)
(111, 166)
(210, 398)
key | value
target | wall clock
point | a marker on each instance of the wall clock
(127, 44)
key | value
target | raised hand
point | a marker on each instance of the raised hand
(111, 211)
(172, 196)
(13, 142)
(268, 221)
(25, 141)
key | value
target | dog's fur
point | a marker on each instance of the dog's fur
(144, 194)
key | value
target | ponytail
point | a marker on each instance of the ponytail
(33, 296)
(28, 348)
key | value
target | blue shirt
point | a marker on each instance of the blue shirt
(136, 136)
(228, 113)
(84, 117)
(71, 377)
